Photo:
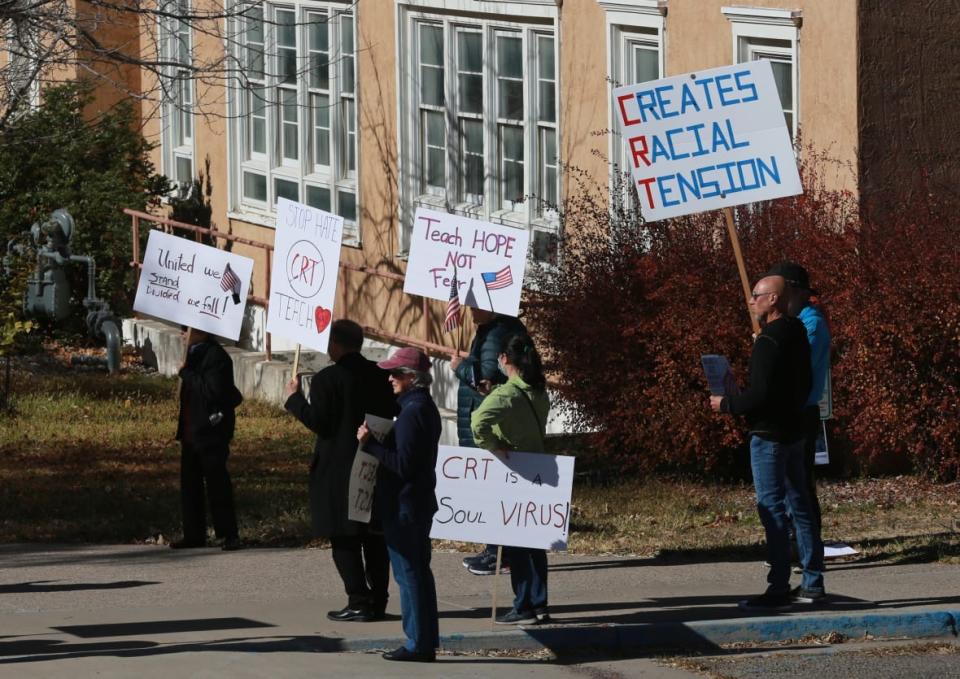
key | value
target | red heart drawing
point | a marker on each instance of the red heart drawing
(322, 317)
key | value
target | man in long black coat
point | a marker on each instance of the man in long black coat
(205, 426)
(340, 397)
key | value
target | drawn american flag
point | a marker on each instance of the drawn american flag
(452, 319)
(497, 280)
(230, 282)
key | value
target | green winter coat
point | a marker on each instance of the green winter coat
(505, 420)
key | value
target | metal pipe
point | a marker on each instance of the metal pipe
(112, 333)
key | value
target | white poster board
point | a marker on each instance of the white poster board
(489, 261)
(303, 285)
(523, 501)
(363, 473)
(707, 140)
(192, 284)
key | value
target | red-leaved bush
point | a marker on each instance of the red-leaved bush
(630, 307)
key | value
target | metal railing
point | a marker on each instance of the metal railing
(168, 225)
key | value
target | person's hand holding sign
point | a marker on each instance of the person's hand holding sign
(363, 433)
(715, 403)
(292, 387)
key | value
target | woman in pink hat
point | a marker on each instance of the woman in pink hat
(405, 499)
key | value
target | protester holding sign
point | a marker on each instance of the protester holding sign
(340, 396)
(406, 500)
(514, 417)
(205, 426)
(773, 405)
(478, 374)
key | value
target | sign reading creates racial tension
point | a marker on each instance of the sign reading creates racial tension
(707, 140)
(192, 284)
(487, 259)
(306, 260)
(522, 501)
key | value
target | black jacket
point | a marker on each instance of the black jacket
(780, 380)
(408, 458)
(481, 364)
(340, 396)
(206, 389)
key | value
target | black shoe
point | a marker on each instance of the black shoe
(543, 615)
(187, 544)
(403, 654)
(231, 544)
(489, 566)
(517, 618)
(469, 561)
(348, 614)
(767, 602)
(808, 597)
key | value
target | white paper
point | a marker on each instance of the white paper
(442, 245)
(834, 550)
(363, 473)
(707, 140)
(182, 281)
(303, 284)
(523, 501)
(822, 451)
(720, 377)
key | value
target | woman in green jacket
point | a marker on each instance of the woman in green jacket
(514, 417)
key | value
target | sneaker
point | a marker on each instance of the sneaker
(767, 602)
(814, 597)
(517, 618)
(543, 615)
(475, 559)
(488, 566)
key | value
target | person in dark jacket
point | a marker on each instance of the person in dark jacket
(205, 427)
(773, 404)
(405, 495)
(479, 373)
(340, 396)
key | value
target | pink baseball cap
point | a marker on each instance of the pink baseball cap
(407, 357)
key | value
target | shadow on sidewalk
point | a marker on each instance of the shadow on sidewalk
(39, 586)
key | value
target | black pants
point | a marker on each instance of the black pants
(206, 466)
(364, 567)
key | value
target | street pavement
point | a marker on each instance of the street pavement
(145, 610)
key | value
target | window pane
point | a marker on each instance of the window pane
(347, 75)
(431, 86)
(509, 56)
(434, 149)
(544, 246)
(319, 52)
(431, 45)
(436, 130)
(471, 151)
(350, 120)
(286, 29)
(470, 52)
(512, 136)
(321, 129)
(348, 205)
(646, 64)
(471, 93)
(286, 189)
(257, 105)
(318, 197)
(783, 77)
(511, 99)
(319, 32)
(255, 25)
(435, 168)
(289, 113)
(255, 186)
(545, 65)
(184, 170)
(511, 149)
(548, 101)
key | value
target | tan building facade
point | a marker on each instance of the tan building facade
(373, 108)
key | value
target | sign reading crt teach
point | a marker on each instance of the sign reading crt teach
(707, 140)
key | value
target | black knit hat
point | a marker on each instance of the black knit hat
(794, 274)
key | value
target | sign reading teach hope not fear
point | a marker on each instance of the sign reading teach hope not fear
(707, 140)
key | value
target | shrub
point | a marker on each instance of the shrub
(56, 157)
(631, 307)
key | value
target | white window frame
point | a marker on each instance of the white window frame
(539, 18)
(628, 23)
(752, 26)
(175, 107)
(338, 177)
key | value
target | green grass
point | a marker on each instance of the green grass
(91, 458)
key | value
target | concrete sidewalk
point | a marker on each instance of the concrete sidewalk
(62, 602)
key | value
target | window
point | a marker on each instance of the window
(177, 91)
(480, 133)
(296, 128)
(636, 38)
(774, 34)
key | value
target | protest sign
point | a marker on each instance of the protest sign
(821, 451)
(191, 284)
(523, 501)
(707, 140)
(720, 377)
(487, 260)
(363, 473)
(306, 260)
(826, 399)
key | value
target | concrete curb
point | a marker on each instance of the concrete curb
(631, 638)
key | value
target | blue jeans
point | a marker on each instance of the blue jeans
(528, 575)
(779, 475)
(409, 547)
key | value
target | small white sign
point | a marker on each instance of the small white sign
(486, 260)
(303, 285)
(363, 474)
(720, 377)
(523, 501)
(707, 140)
(192, 284)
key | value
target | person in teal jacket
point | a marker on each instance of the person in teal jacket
(513, 417)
